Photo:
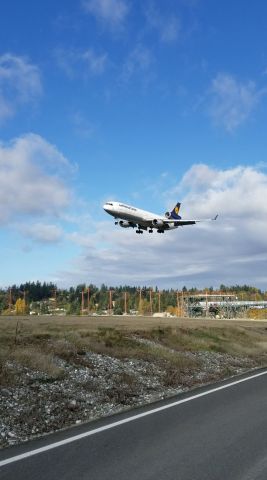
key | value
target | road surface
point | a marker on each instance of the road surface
(213, 433)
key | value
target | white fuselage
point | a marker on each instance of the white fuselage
(132, 214)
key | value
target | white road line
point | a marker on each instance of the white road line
(126, 420)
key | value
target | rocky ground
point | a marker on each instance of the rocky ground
(97, 385)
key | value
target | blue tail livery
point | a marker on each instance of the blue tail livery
(174, 214)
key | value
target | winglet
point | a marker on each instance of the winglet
(215, 218)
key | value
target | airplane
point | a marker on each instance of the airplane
(127, 216)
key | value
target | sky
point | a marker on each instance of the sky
(146, 102)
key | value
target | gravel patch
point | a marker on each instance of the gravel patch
(100, 385)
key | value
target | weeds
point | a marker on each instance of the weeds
(124, 388)
(7, 373)
(38, 346)
(35, 360)
(234, 341)
(173, 376)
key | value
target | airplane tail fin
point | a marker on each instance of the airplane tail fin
(174, 213)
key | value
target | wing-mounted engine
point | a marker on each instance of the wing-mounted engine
(168, 215)
(125, 224)
(157, 222)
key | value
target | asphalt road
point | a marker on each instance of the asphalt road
(213, 433)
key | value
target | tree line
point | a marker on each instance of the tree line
(39, 296)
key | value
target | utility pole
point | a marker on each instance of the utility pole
(182, 304)
(24, 303)
(88, 300)
(177, 304)
(150, 301)
(140, 301)
(110, 301)
(82, 305)
(10, 300)
(125, 303)
(159, 300)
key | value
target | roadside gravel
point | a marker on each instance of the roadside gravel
(101, 385)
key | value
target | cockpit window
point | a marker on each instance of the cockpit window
(108, 203)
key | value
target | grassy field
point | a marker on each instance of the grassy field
(40, 323)
(37, 342)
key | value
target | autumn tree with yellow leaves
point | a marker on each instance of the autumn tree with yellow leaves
(20, 306)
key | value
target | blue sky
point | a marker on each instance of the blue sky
(146, 102)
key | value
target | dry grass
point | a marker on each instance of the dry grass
(35, 360)
(238, 341)
(53, 324)
(125, 387)
(36, 343)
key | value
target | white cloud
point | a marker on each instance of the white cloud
(82, 239)
(109, 12)
(6, 109)
(231, 101)
(139, 60)
(82, 63)
(167, 26)
(43, 233)
(32, 173)
(20, 83)
(237, 192)
(231, 250)
(96, 63)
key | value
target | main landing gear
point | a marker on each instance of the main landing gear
(150, 231)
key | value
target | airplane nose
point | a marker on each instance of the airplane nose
(108, 207)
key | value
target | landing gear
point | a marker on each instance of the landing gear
(116, 223)
(139, 231)
(150, 231)
(160, 230)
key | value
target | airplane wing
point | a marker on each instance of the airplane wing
(178, 222)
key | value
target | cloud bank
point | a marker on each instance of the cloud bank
(33, 186)
(231, 250)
